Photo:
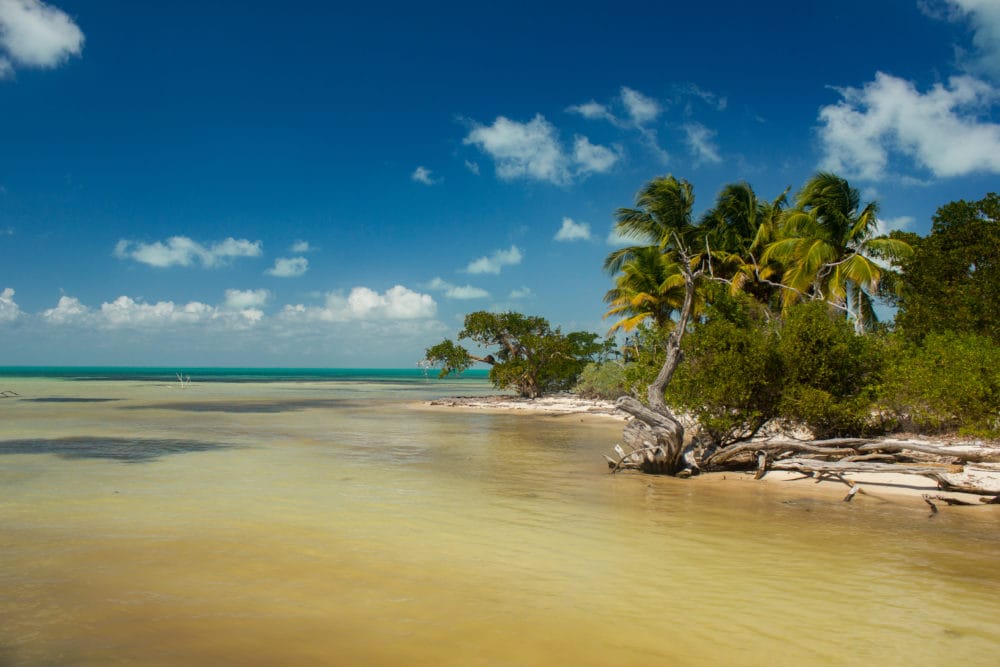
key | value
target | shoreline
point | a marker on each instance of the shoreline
(878, 486)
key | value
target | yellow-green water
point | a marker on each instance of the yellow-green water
(295, 524)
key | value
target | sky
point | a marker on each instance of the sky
(311, 184)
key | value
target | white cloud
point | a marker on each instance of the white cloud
(593, 111)
(300, 247)
(532, 150)
(699, 141)
(940, 130)
(472, 166)
(35, 34)
(641, 109)
(886, 225)
(462, 292)
(244, 299)
(523, 293)
(573, 231)
(288, 267)
(495, 262)
(127, 312)
(522, 150)
(182, 251)
(591, 158)
(423, 175)
(9, 310)
(639, 112)
(68, 310)
(983, 17)
(365, 304)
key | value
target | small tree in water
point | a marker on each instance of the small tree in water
(531, 357)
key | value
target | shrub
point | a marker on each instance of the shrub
(831, 373)
(605, 380)
(730, 379)
(949, 382)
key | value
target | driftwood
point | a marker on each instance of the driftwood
(823, 459)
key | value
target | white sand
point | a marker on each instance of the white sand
(872, 485)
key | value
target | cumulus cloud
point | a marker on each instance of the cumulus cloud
(940, 130)
(365, 304)
(288, 267)
(243, 299)
(472, 166)
(592, 158)
(300, 247)
(35, 34)
(522, 150)
(460, 292)
(128, 312)
(522, 293)
(494, 263)
(700, 142)
(182, 251)
(573, 231)
(9, 310)
(423, 175)
(68, 310)
(240, 309)
(532, 150)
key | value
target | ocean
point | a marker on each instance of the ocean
(288, 516)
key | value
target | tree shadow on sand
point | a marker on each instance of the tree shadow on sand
(126, 450)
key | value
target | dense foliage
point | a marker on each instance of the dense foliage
(951, 283)
(802, 344)
(730, 380)
(530, 357)
(782, 326)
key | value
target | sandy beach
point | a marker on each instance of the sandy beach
(881, 487)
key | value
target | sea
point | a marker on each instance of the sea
(224, 516)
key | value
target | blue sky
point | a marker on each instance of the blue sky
(299, 184)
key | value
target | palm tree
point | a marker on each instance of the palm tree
(648, 286)
(736, 231)
(662, 216)
(828, 247)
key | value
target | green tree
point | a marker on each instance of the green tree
(531, 357)
(828, 247)
(831, 373)
(951, 282)
(730, 380)
(949, 381)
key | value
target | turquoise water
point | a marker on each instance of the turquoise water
(211, 374)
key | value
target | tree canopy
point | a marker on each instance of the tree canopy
(951, 282)
(530, 356)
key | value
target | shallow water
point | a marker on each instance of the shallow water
(333, 523)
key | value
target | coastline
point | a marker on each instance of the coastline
(878, 486)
